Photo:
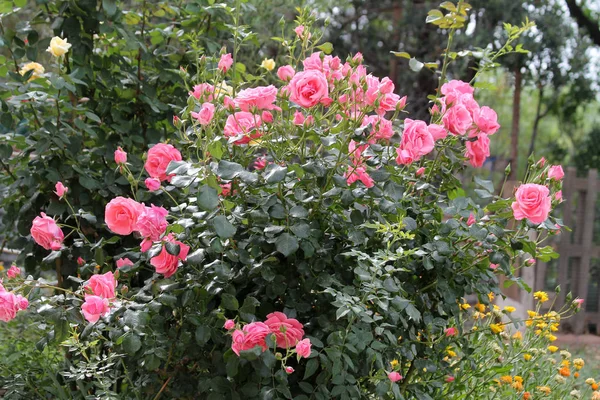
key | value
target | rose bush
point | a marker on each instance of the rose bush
(297, 239)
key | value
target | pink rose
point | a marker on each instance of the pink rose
(556, 172)
(541, 162)
(386, 86)
(22, 302)
(250, 336)
(578, 303)
(357, 58)
(121, 215)
(355, 173)
(533, 202)
(225, 62)
(46, 233)
(229, 324)
(457, 119)
(266, 117)
(123, 262)
(479, 150)
(289, 370)
(394, 376)
(382, 128)
(389, 102)
(437, 131)
(486, 120)
(80, 261)
(303, 348)
(242, 124)
(558, 196)
(203, 91)
(453, 89)
(166, 263)
(152, 184)
(102, 285)
(9, 305)
(159, 157)
(225, 189)
(288, 331)
(449, 379)
(298, 118)
(152, 222)
(420, 172)
(260, 163)
(416, 142)
(94, 307)
(471, 220)
(286, 73)
(61, 189)
(259, 98)
(530, 261)
(493, 266)
(299, 30)
(13, 272)
(207, 111)
(120, 156)
(307, 88)
(228, 103)
(452, 331)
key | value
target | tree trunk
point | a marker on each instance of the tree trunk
(536, 122)
(397, 18)
(516, 117)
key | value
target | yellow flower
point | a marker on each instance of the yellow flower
(531, 313)
(223, 89)
(268, 64)
(528, 322)
(496, 328)
(552, 349)
(474, 328)
(480, 307)
(544, 389)
(509, 309)
(393, 363)
(590, 381)
(554, 327)
(38, 70)
(506, 379)
(578, 363)
(527, 357)
(496, 308)
(450, 352)
(541, 296)
(565, 363)
(518, 336)
(491, 296)
(596, 396)
(465, 306)
(518, 379)
(551, 337)
(538, 332)
(518, 386)
(58, 46)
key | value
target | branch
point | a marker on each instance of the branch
(585, 22)
(8, 170)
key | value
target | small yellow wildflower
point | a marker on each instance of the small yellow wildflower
(544, 389)
(517, 336)
(565, 363)
(491, 296)
(552, 349)
(465, 306)
(474, 328)
(268, 64)
(518, 386)
(554, 327)
(527, 357)
(551, 338)
(578, 363)
(538, 332)
(393, 363)
(531, 313)
(541, 296)
(518, 379)
(480, 307)
(509, 309)
(450, 352)
(506, 379)
(496, 308)
(496, 328)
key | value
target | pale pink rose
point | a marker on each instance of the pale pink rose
(46, 233)
(206, 114)
(556, 172)
(94, 307)
(121, 215)
(452, 331)
(470, 103)
(120, 156)
(259, 98)
(479, 150)
(416, 142)
(203, 91)
(471, 220)
(578, 303)
(286, 73)
(420, 172)
(152, 222)
(9, 305)
(159, 157)
(386, 86)
(250, 336)
(260, 163)
(152, 184)
(307, 88)
(13, 272)
(225, 62)
(558, 196)
(288, 331)
(358, 58)
(298, 118)
(244, 125)
(303, 348)
(453, 89)
(299, 30)
(437, 131)
(102, 285)
(493, 266)
(166, 263)
(394, 376)
(382, 128)
(123, 262)
(61, 189)
(486, 120)
(229, 324)
(457, 119)
(532, 201)
(266, 117)
(80, 261)
(355, 173)
(449, 379)
(228, 103)
(22, 302)
(389, 102)
(289, 370)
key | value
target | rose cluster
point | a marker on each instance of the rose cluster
(10, 303)
(99, 291)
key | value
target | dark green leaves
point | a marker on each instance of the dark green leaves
(208, 199)
(223, 228)
(229, 170)
(275, 173)
(286, 244)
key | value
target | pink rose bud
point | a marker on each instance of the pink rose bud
(299, 30)
(298, 118)
(531, 261)
(420, 172)
(152, 184)
(228, 103)
(471, 220)
(260, 163)
(289, 370)
(286, 73)
(13, 272)
(358, 58)
(225, 62)
(558, 196)
(176, 121)
(303, 347)
(22, 302)
(556, 172)
(123, 262)
(394, 376)
(578, 302)
(493, 266)
(80, 261)
(61, 189)
(120, 156)
(229, 324)
(541, 162)
(452, 331)
(449, 378)
(267, 117)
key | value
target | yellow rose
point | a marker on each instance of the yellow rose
(38, 70)
(58, 46)
(268, 64)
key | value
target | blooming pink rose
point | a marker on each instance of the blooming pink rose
(120, 156)
(203, 91)
(102, 285)
(152, 184)
(225, 62)
(159, 157)
(207, 111)
(493, 266)
(242, 124)
(61, 189)
(299, 30)
(286, 72)
(532, 201)
(394, 376)
(94, 307)
(13, 272)
(260, 98)
(437, 131)
(121, 215)
(46, 233)
(166, 263)
(123, 262)
(457, 119)
(303, 348)
(416, 142)
(355, 173)
(556, 172)
(260, 163)
(228, 103)
(307, 88)
(289, 370)
(452, 331)
(288, 331)
(229, 324)
(382, 128)
(251, 335)
(22, 302)
(386, 86)
(453, 89)
(80, 261)
(9, 305)
(471, 220)
(152, 222)
(420, 172)
(479, 150)
(486, 120)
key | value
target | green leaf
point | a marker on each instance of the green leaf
(434, 16)
(208, 199)
(401, 54)
(51, 257)
(228, 170)
(202, 334)
(172, 248)
(286, 244)
(326, 48)
(197, 257)
(5, 151)
(131, 343)
(223, 227)
(311, 367)
(229, 302)
(275, 173)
